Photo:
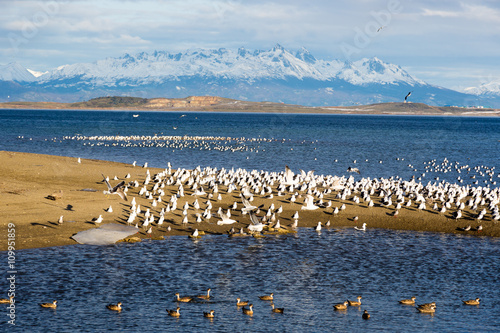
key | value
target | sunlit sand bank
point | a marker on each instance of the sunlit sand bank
(37, 189)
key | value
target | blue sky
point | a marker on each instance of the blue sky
(455, 44)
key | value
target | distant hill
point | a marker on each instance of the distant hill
(219, 104)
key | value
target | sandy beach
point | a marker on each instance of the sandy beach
(37, 189)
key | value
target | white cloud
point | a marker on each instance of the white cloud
(440, 13)
(112, 39)
(466, 11)
(446, 33)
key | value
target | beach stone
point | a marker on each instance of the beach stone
(55, 195)
(132, 239)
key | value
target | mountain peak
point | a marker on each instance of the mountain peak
(304, 55)
(375, 64)
(486, 89)
(278, 47)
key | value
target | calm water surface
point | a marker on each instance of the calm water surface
(308, 273)
(382, 146)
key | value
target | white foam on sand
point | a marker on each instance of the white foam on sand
(107, 234)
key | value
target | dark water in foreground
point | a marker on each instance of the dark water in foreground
(308, 273)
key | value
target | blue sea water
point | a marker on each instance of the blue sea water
(382, 146)
(308, 272)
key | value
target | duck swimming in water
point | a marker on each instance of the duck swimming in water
(355, 303)
(410, 301)
(184, 299)
(472, 301)
(365, 315)
(241, 303)
(248, 311)
(115, 307)
(341, 306)
(430, 309)
(207, 296)
(52, 305)
(209, 314)
(5, 300)
(174, 313)
(267, 297)
(277, 310)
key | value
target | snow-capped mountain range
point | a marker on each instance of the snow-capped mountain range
(275, 75)
(485, 89)
(278, 63)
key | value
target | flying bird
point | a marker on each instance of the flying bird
(408, 95)
(118, 189)
(309, 203)
(225, 218)
(351, 169)
(256, 225)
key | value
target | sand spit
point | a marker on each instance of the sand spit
(36, 190)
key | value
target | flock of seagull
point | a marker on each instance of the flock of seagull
(305, 191)
(219, 143)
(478, 174)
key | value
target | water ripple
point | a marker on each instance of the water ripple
(308, 273)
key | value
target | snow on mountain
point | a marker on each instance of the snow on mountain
(36, 73)
(375, 70)
(485, 89)
(277, 74)
(15, 72)
(277, 63)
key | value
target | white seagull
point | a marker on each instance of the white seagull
(289, 177)
(318, 227)
(248, 206)
(98, 220)
(351, 169)
(256, 225)
(225, 219)
(118, 189)
(363, 228)
(309, 203)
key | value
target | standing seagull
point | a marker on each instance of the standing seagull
(408, 95)
(118, 189)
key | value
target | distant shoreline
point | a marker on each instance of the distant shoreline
(218, 104)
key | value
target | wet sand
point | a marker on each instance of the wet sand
(35, 190)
